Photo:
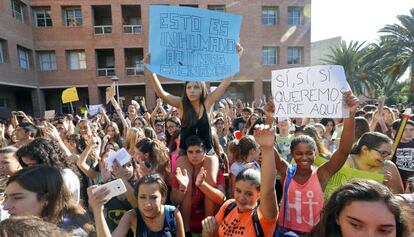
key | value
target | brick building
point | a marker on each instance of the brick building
(49, 45)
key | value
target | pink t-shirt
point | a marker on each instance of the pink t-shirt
(305, 202)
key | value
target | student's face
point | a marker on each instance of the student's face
(193, 91)
(329, 127)
(158, 128)
(8, 164)
(131, 110)
(150, 200)
(171, 127)
(253, 118)
(110, 131)
(84, 129)
(367, 219)
(378, 155)
(245, 195)
(21, 202)
(304, 155)
(408, 134)
(245, 115)
(195, 155)
(219, 125)
(21, 134)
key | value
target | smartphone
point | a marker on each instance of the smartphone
(115, 187)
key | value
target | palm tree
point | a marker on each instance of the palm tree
(399, 45)
(351, 58)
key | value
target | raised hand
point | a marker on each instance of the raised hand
(264, 136)
(351, 101)
(201, 177)
(182, 178)
(269, 108)
(209, 224)
(98, 199)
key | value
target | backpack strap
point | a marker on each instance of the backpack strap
(170, 218)
(256, 223)
(290, 173)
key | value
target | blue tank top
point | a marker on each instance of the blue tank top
(167, 231)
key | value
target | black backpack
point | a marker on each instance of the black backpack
(256, 223)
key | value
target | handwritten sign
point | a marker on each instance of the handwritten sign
(49, 114)
(94, 109)
(314, 92)
(70, 95)
(193, 44)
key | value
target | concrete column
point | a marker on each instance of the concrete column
(93, 93)
(38, 102)
(150, 96)
(258, 89)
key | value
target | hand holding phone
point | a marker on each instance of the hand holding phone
(115, 187)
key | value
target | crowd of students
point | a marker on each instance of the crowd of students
(205, 166)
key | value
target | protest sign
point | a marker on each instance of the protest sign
(94, 109)
(312, 92)
(121, 156)
(110, 93)
(193, 44)
(70, 95)
(344, 175)
(49, 114)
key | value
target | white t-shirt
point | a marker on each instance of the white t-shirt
(72, 183)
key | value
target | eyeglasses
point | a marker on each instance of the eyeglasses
(384, 154)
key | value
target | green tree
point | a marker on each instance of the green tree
(351, 57)
(399, 39)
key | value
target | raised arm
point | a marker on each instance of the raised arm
(156, 85)
(265, 137)
(81, 163)
(120, 115)
(345, 146)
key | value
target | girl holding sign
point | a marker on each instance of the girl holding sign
(193, 109)
(303, 200)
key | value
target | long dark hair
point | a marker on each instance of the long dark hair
(372, 140)
(190, 117)
(358, 190)
(47, 182)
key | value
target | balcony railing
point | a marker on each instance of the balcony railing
(105, 72)
(132, 29)
(103, 29)
(133, 71)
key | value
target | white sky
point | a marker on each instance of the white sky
(355, 19)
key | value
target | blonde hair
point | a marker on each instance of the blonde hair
(131, 138)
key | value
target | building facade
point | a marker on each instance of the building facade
(50, 45)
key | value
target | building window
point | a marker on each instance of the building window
(2, 58)
(269, 15)
(72, 16)
(18, 9)
(42, 17)
(47, 60)
(189, 5)
(295, 16)
(24, 57)
(76, 59)
(219, 8)
(269, 55)
(4, 103)
(295, 55)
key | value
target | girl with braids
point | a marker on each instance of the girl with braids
(49, 152)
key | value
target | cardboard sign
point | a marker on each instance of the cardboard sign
(94, 109)
(49, 114)
(193, 44)
(122, 156)
(310, 92)
(110, 93)
(70, 95)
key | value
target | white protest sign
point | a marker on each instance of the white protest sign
(49, 114)
(94, 109)
(312, 92)
(122, 156)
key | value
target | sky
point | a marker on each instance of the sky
(355, 19)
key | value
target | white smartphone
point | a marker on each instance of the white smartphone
(115, 187)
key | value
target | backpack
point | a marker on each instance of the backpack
(256, 223)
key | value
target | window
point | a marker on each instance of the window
(76, 59)
(295, 55)
(47, 60)
(4, 103)
(269, 55)
(18, 9)
(219, 8)
(42, 17)
(189, 5)
(24, 57)
(269, 15)
(2, 49)
(72, 16)
(295, 16)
